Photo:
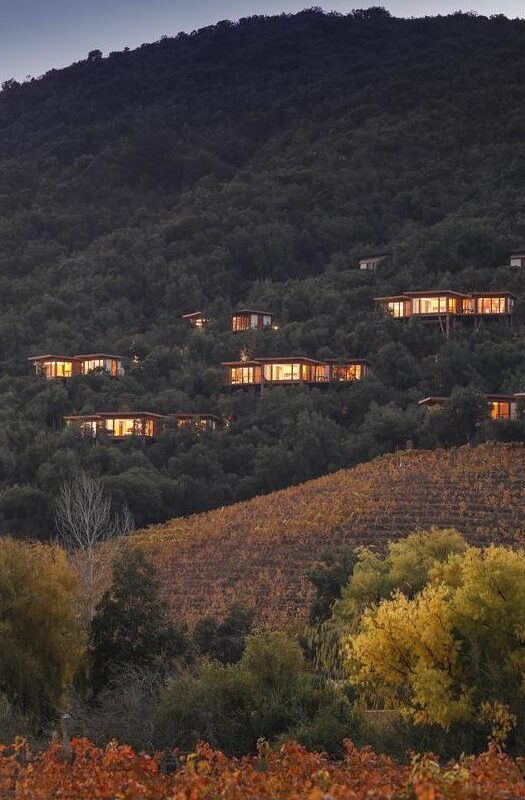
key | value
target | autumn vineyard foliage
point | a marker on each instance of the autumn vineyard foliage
(259, 551)
(86, 772)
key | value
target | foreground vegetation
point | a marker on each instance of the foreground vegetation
(419, 648)
(252, 164)
(290, 774)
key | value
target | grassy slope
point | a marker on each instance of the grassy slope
(259, 550)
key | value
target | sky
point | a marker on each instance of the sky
(37, 35)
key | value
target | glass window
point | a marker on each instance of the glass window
(267, 320)
(254, 320)
(58, 369)
(92, 364)
(491, 305)
(240, 375)
(429, 305)
(124, 427)
(396, 308)
(149, 427)
(348, 372)
(500, 410)
(240, 322)
(282, 372)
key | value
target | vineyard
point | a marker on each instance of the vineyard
(91, 773)
(260, 550)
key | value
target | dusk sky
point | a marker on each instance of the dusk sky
(36, 35)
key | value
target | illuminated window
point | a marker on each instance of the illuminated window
(282, 372)
(500, 410)
(149, 427)
(254, 320)
(429, 305)
(267, 320)
(57, 369)
(348, 372)
(240, 375)
(396, 308)
(491, 305)
(124, 427)
(240, 322)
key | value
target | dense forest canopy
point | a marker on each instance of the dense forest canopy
(252, 164)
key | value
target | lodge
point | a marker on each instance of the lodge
(502, 406)
(517, 257)
(371, 261)
(444, 307)
(196, 319)
(291, 370)
(199, 421)
(247, 319)
(145, 424)
(59, 366)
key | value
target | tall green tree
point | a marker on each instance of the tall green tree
(131, 626)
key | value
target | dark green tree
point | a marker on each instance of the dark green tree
(224, 641)
(328, 577)
(131, 626)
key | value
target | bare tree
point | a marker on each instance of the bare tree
(85, 521)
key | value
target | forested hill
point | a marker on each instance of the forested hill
(252, 164)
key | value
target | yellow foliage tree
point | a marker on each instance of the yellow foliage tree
(455, 651)
(40, 637)
(405, 567)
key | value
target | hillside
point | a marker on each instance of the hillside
(252, 164)
(259, 551)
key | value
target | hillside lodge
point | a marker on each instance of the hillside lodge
(517, 257)
(371, 261)
(292, 370)
(119, 425)
(444, 307)
(196, 319)
(53, 366)
(502, 406)
(249, 319)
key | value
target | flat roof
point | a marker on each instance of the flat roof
(194, 415)
(435, 293)
(241, 364)
(342, 362)
(193, 314)
(117, 415)
(51, 356)
(503, 293)
(495, 397)
(257, 362)
(253, 311)
(391, 297)
(431, 399)
(98, 355)
(80, 357)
